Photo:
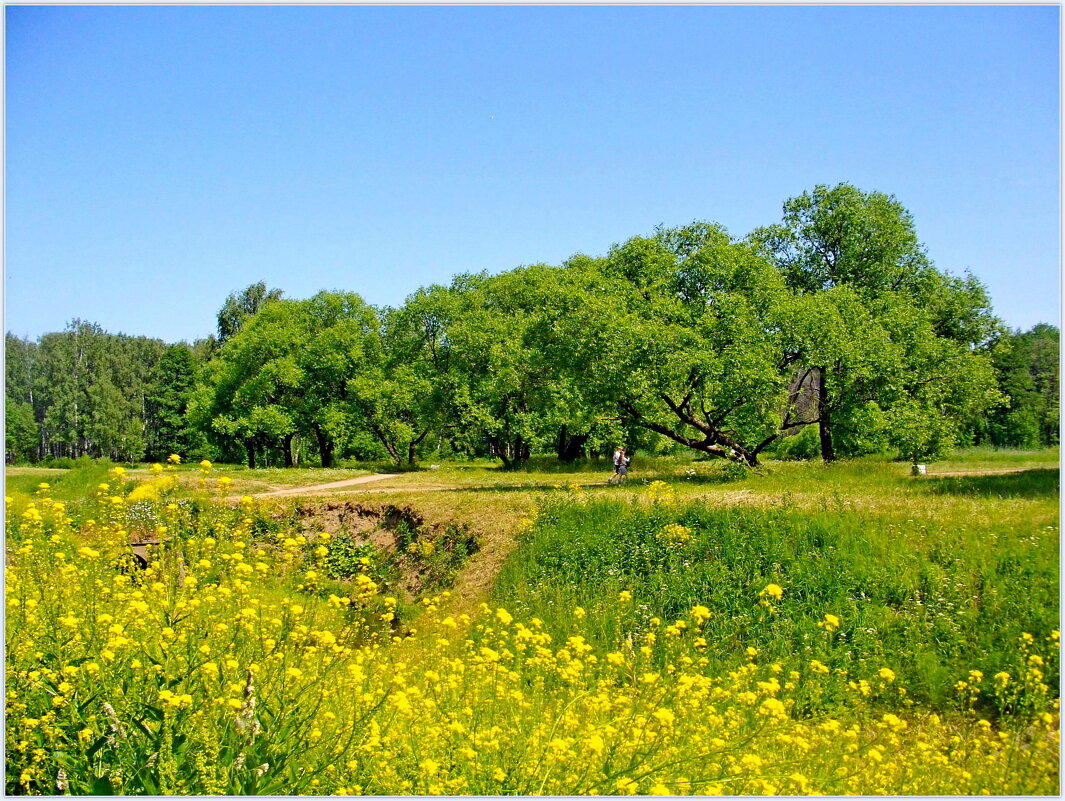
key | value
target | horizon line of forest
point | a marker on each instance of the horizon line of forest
(828, 334)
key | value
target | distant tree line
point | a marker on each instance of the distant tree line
(830, 333)
(85, 392)
(1026, 366)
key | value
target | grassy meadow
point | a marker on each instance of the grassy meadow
(801, 629)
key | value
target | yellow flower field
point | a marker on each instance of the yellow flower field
(209, 672)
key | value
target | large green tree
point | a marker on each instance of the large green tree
(504, 354)
(343, 342)
(938, 384)
(240, 306)
(490, 381)
(286, 372)
(167, 426)
(859, 272)
(684, 339)
(402, 395)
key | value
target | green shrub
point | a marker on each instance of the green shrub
(804, 445)
(61, 463)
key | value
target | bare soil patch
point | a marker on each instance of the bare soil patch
(367, 523)
(386, 527)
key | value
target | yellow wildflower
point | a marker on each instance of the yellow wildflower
(700, 613)
(774, 591)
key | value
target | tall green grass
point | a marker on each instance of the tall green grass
(1032, 483)
(67, 484)
(930, 600)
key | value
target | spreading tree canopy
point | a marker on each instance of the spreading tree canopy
(882, 338)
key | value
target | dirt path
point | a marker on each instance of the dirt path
(315, 488)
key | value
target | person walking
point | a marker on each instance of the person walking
(621, 466)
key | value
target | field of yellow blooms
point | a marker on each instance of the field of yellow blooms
(233, 664)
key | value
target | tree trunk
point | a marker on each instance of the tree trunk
(503, 452)
(286, 446)
(570, 448)
(325, 446)
(412, 448)
(824, 425)
(249, 444)
(828, 453)
(390, 446)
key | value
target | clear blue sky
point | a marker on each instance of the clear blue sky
(159, 158)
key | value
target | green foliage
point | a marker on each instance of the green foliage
(167, 405)
(920, 435)
(841, 236)
(438, 555)
(88, 390)
(62, 463)
(689, 345)
(734, 471)
(804, 445)
(20, 363)
(285, 373)
(875, 322)
(240, 306)
(347, 558)
(399, 395)
(501, 353)
(20, 431)
(862, 432)
(834, 318)
(1028, 371)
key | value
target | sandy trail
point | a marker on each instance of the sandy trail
(313, 488)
